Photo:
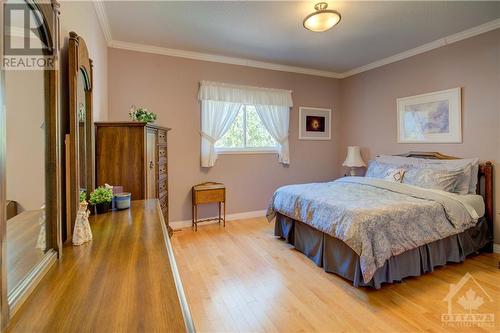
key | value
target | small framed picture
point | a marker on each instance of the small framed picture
(430, 118)
(314, 123)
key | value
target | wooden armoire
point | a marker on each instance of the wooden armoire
(133, 155)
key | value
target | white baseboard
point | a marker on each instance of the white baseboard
(496, 248)
(177, 225)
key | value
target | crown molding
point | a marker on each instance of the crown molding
(103, 20)
(219, 58)
(480, 29)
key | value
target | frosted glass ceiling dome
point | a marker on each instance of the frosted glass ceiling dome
(322, 19)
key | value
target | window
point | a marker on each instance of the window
(243, 119)
(247, 134)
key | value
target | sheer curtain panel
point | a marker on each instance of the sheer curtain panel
(216, 119)
(276, 120)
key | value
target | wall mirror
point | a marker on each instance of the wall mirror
(81, 156)
(30, 215)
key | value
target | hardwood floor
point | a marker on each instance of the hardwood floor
(242, 278)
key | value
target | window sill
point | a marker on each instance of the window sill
(246, 151)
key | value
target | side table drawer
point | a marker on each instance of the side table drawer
(208, 196)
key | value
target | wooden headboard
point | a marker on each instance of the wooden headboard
(484, 183)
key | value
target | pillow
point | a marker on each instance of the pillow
(400, 160)
(444, 180)
(395, 175)
(378, 169)
(469, 168)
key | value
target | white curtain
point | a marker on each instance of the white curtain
(276, 119)
(216, 119)
(220, 103)
(216, 91)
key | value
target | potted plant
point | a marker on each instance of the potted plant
(141, 114)
(101, 198)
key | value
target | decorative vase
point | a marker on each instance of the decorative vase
(102, 208)
(82, 232)
(122, 200)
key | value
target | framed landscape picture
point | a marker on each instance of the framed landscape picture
(430, 118)
(314, 123)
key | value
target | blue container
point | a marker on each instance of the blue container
(122, 200)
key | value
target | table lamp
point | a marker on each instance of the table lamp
(353, 159)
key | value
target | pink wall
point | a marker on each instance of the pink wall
(364, 113)
(368, 101)
(169, 87)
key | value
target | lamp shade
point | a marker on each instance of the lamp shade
(353, 158)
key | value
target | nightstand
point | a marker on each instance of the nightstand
(205, 193)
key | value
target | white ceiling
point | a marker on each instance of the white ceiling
(272, 31)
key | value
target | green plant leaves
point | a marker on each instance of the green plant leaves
(101, 195)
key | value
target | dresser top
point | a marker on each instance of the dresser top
(125, 279)
(128, 124)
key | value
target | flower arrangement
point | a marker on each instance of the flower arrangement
(141, 114)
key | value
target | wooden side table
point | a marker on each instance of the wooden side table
(205, 193)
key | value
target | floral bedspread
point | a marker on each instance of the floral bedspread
(376, 218)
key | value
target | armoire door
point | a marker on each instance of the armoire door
(152, 165)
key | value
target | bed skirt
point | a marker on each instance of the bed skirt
(336, 257)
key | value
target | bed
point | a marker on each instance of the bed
(372, 231)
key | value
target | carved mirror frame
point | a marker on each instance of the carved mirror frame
(49, 34)
(79, 63)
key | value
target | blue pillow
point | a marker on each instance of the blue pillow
(378, 169)
(444, 180)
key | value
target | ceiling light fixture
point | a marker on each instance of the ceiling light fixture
(322, 19)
